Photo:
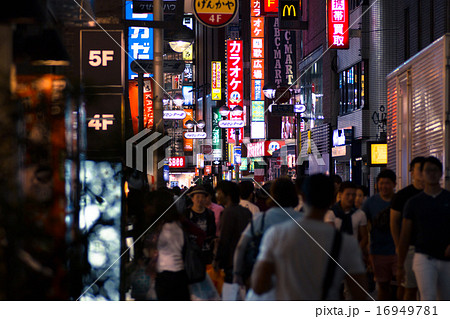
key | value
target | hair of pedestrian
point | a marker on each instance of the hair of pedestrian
(209, 188)
(364, 189)
(337, 179)
(418, 159)
(283, 192)
(176, 190)
(345, 185)
(318, 191)
(229, 189)
(160, 201)
(262, 193)
(432, 160)
(246, 188)
(387, 173)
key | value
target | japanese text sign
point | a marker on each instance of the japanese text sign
(338, 34)
(215, 13)
(216, 80)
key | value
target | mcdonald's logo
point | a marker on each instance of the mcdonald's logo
(288, 8)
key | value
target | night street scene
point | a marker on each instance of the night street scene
(226, 150)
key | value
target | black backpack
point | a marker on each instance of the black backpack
(252, 249)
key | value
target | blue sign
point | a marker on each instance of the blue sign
(166, 172)
(258, 91)
(140, 39)
(237, 155)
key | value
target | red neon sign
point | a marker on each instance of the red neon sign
(177, 162)
(338, 24)
(235, 82)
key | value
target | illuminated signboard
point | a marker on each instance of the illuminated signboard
(215, 14)
(216, 134)
(177, 162)
(216, 80)
(148, 104)
(338, 24)
(235, 85)
(270, 7)
(256, 51)
(378, 153)
(101, 58)
(140, 39)
(289, 10)
(257, 111)
(188, 144)
(258, 130)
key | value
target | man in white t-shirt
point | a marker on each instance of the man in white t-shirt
(294, 253)
(346, 218)
(246, 191)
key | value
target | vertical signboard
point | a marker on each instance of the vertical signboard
(216, 135)
(188, 144)
(216, 80)
(235, 85)
(257, 65)
(257, 51)
(282, 68)
(257, 111)
(338, 37)
(148, 104)
(140, 39)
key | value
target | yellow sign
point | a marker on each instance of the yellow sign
(288, 8)
(187, 54)
(378, 153)
(216, 80)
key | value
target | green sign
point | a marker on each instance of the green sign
(257, 111)
(216, 134)
(244, 164)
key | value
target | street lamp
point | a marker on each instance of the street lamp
(179, 39)
(224, 110)
(269, 90)
(178, 99)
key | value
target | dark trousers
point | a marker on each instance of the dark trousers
(172, 286)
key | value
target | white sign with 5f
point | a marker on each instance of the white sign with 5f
(100, 57)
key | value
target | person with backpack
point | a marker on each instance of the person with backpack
(284, 198)
(297, 253)
(382, 248)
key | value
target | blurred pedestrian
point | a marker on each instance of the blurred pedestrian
(294, 253)
(246, 193)
(398, 203)
(284, 198)
(204, 219)
(382, 248)
(211, 204)
(362, 193)
(427, 217)
(171, 279)
(234, 220)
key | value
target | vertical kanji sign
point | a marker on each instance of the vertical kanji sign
(235, 85)
(216, 80)
(338, 33)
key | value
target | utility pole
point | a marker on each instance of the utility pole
(158, 77)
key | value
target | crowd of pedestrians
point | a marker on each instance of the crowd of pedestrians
(318, 238)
